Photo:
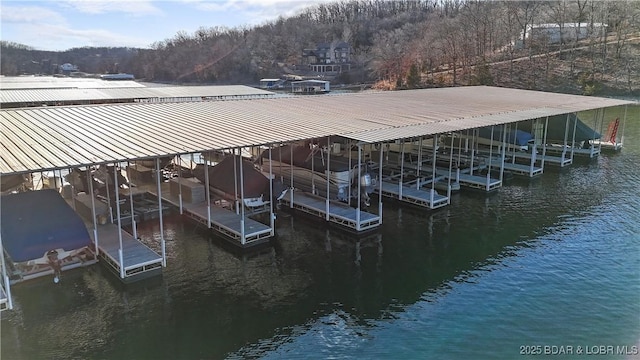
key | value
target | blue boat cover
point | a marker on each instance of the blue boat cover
(519, 137)
(35, 222)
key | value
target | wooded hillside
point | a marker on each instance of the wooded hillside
(397, 44)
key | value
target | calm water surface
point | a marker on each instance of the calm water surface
(550, 262)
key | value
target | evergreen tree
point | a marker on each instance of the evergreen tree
(413, 78)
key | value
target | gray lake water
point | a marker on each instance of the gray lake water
(541, 266)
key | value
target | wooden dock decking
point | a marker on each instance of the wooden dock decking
(138, 260)
(225, 222)
(413, 196)
(341, 214)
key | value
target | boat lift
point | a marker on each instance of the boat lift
(122, 251)
(613, 139)
(342, 214)
(477, 160)
(595, 142)
(421, 190)
(234, 224)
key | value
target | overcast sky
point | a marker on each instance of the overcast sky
(61, 25)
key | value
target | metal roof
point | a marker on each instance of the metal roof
(37, 139)
(77, 95)
(53, 82)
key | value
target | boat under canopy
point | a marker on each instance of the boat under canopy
(557, 128)
(11, 182)
(225, 180)
(311, 165)
(302, 156)
(513, 137)
(42, 233)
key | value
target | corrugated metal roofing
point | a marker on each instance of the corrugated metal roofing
(51, 82)
(39, 96)
(59, 137)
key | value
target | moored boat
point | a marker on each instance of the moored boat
(310, 166)
(227, 182)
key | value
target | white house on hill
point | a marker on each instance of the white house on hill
(566, 32)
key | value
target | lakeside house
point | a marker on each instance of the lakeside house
(67, 68)
(555, 33)
(328, 58)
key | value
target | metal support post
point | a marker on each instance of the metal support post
(380, 185)
(93, 212)
(133, 217)
(327, 173)
(162, 242)
(243, 239)
(207, 192)
(120, 254)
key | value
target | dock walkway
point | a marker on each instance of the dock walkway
(4, 300)
(517, 168)
(555, 160)
(138, 260)
(341, 214)
(591, 152)
(605, 145)
(411, 195)
(228, 223)
(520, 169)
(472, 181)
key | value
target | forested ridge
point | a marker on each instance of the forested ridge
(395, 44)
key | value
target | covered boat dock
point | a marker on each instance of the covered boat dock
(36, 140)
(16, 98)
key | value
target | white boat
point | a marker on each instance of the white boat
(311, 166)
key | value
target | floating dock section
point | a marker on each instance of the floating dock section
(409, 169)
(126, 255)
(343, 215)
(241, 230)
(501, 149)
(325, 184)
(533, 158)
(122, 252)
(478, 182)
(530, 170)
(409, 194)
